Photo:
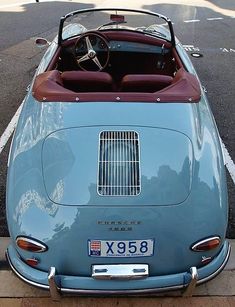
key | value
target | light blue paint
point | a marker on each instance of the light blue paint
(51, 187)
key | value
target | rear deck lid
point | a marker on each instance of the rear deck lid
(124, 166)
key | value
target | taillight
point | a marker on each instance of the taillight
(32, 261)
(206, 260)
(206, 244)
(31, 245)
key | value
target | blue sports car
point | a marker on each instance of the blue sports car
(116, 180)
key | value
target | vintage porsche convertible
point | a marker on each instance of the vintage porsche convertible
(116, 179)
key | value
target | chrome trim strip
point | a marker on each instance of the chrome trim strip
(41, 245)
(90, 292)
(22, 277)
(120, 292)
(213, 275)
(204, 241)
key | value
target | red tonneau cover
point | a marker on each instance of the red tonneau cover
(185, 87)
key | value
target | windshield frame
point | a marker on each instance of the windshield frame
(71, 14)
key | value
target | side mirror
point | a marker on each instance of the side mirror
(42, 42)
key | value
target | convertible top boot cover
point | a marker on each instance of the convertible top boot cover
(49, 86)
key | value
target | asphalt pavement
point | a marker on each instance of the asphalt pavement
(204, 26)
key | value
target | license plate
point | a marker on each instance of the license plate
(133, 248)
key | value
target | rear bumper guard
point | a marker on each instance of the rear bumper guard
(54, 284)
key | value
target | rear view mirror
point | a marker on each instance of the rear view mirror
(42, 42)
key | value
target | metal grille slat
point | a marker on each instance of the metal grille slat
(133, 164)
(119, 165)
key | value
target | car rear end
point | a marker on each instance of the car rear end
(117, 209)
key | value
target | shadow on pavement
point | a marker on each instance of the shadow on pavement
(32, 20)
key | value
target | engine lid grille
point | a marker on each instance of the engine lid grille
(119, 163)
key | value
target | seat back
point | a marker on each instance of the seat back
(145, 83)
(87, 81)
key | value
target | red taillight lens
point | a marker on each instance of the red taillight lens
(206, 260)
(30, 245)
(32, 262)
(206, 244)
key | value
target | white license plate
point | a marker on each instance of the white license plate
(133, 248)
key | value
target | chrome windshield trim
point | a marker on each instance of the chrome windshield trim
(98, 9)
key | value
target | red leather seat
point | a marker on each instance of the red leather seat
(145, 83)
(87, 81)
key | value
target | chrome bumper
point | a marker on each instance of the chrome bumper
(56, 289)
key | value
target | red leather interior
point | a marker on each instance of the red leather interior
(55, 59)
(132, 36)
(145, 83)
(49, 86)
(87, 81)
(185, 86)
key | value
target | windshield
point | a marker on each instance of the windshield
(81, 21)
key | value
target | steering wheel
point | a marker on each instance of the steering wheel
(89, 47)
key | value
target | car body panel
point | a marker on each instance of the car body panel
(164, 181)
(85, 285)
(32, 201)
(60, 206)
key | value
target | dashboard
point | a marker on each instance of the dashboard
(119, 46)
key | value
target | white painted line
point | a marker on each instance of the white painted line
(192, 20)
(229, 162)
(215, 18)
(230, 50)
(10, 128)
(191, 48)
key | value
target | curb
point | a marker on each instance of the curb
(122, 302)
